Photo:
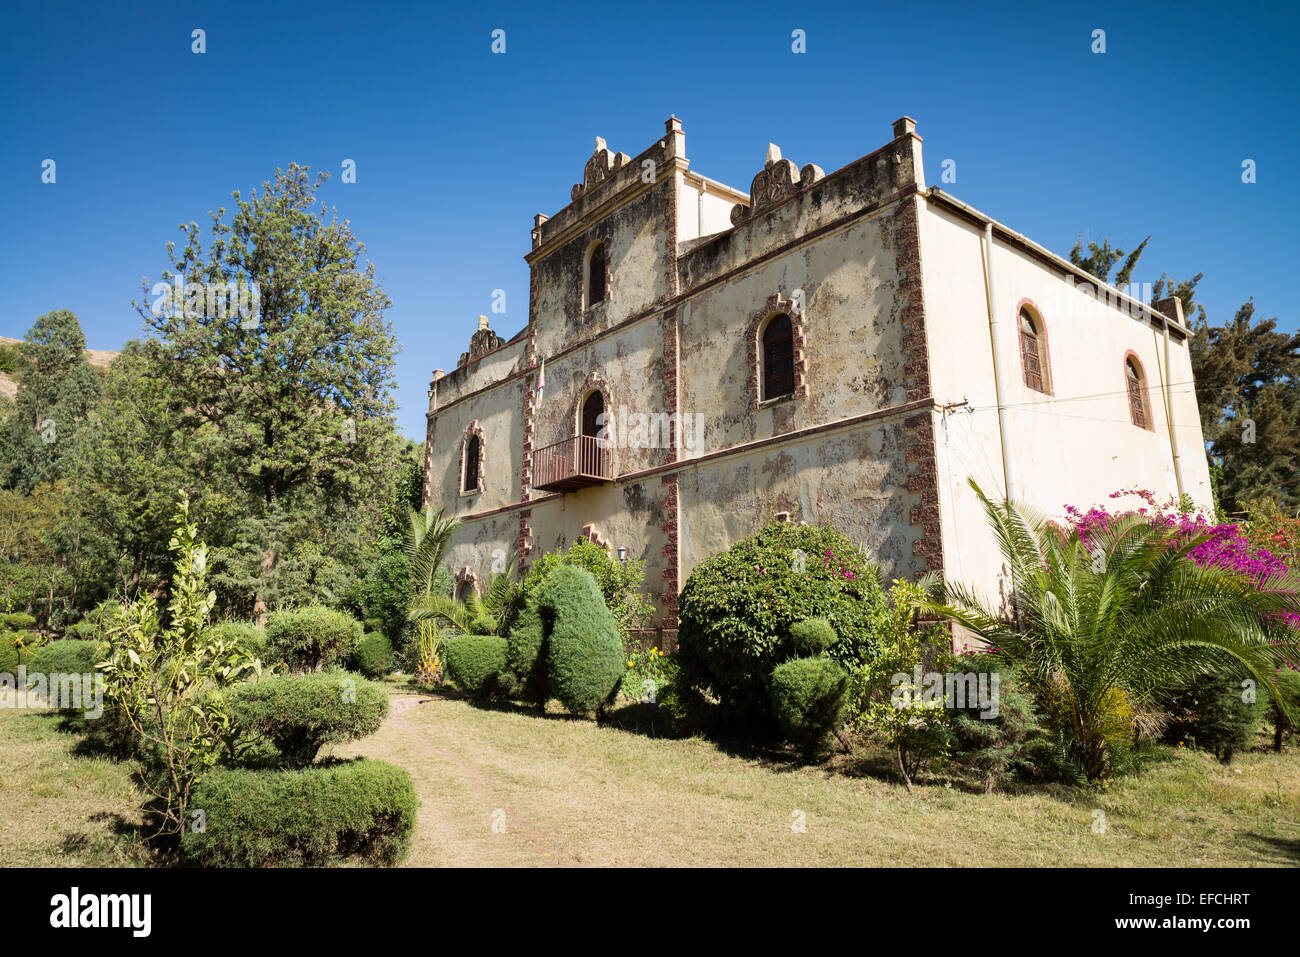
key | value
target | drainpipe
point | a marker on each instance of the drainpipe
(1172, 308)
(700, 228)
(1008, 475)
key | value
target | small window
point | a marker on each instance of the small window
(1033, 358)
(469, 480)
(1137, 392)
(596, 275)
(778, 357)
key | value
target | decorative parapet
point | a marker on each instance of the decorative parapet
(777, 181)
(481, 343)
(601, 166)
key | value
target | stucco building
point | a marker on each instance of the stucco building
(838, 348)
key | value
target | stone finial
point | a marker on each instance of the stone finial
(1172, 308)
(600, 143)
(601, 166)
(904, 125)
(438, 374)
(777, 181)
(482, 323)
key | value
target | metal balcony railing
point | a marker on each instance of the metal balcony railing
(572, 463)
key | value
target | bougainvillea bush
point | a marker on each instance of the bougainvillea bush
(1236, 548)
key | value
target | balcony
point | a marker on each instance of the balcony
(573, 463)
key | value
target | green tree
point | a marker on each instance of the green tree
(294, 399)
(1248, 387)
(58, 390)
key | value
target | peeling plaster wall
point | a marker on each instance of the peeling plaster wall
(853, 479)
(499, 413)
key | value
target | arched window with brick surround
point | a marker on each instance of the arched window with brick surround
(1033, 350)
(595, 275)
(778, 357)
(471, 460)
(1139, 408)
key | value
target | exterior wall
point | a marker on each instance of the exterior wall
(679, 333)
(1073, 447)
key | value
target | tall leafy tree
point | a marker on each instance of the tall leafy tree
(58, 390)
(294, 397)
(1248, 387)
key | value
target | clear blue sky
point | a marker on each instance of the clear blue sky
(457, 148)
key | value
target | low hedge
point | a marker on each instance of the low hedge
(475, 663)
(248, 635)
(17, 621)
(69, 656)
(301, 713)
(309, 639)
(363, 811)
(8, 655)
(807, 697)
(374, 655)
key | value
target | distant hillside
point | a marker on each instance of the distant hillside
(99, 358)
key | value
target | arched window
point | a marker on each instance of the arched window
(778, 357)
(1033, 352)
(1136, 379)
(596, 275)
(469, 477)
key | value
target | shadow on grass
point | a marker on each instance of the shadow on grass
(1288, 847)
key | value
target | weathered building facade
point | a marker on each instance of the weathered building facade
(841, 349)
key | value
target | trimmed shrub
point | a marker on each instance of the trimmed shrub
(1209, 712)
(17, 621)
(315, 817)
(812, 636)
(474, 663)
(8, 656)
(301, 713)
(807, 699)
(738, 609)
(1014, 741)
(309, 639)
(566, 644)
(585, 651)
(64, 656)
(374, 655)
(249, 636)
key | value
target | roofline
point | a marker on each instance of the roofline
(1019, 239)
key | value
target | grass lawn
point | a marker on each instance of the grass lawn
(566, 792)
(58, 808)
(571, 793)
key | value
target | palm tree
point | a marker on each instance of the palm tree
(426, 545)
(1099, 626)
(477, 614)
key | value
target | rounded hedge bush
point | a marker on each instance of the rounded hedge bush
(1209, 711)
(738, 608)
(68, 656)
(812, 636)
(475, 663)
(374, 655)
(17, 621)
(314, 817)
(565, 643)
(807, 697)
(247, 635)
(301, 713)
(8, 655)
(311, 638)
(585, 652)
